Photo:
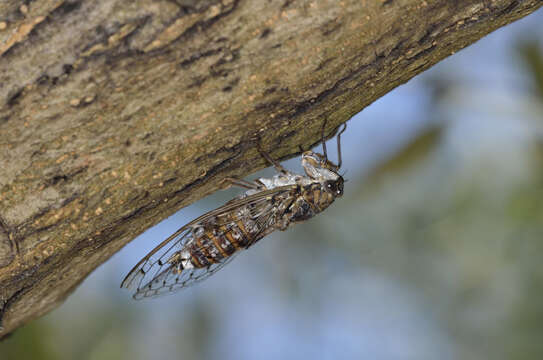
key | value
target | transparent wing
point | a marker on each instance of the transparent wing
(159, 273)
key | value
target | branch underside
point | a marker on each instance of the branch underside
(104, 134)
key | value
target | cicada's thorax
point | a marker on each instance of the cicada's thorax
(312, 200)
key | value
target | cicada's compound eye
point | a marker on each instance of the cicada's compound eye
(334, 187)
(339, 190)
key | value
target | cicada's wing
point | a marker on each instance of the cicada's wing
(159, 272)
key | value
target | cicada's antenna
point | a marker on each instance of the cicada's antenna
(339, 144)
(324, 140)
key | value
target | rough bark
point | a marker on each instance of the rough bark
(115, 114)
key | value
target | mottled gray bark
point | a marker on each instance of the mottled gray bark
(115, 114)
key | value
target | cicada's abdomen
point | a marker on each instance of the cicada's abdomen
(212, 243)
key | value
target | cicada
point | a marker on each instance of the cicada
(207, 243)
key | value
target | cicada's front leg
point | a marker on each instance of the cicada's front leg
(273, 162)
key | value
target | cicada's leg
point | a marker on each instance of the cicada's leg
(323, 140)
(275, 164)
(227, 182)
(339, 144)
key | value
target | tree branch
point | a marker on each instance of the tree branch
(114, 115)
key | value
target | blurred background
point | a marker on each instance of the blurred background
(433, 253)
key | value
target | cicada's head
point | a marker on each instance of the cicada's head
(319, 168)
